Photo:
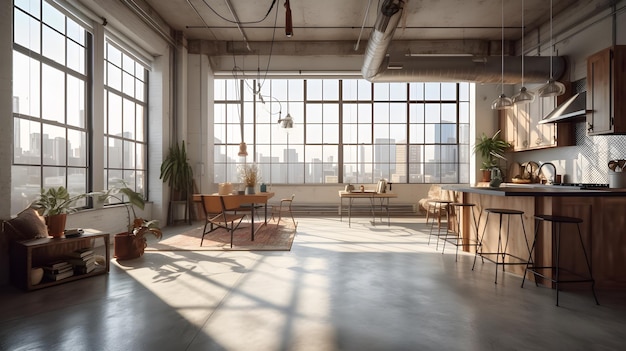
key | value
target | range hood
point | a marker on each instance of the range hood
(574, 109)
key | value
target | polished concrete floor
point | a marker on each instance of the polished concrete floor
(339, 288)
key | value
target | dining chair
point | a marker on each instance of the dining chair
(284, 208)
(218, 212)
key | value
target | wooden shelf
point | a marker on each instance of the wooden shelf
(24, 255)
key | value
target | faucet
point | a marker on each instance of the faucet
(551, 179)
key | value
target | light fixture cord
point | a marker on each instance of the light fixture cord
(523, 43)
(551, 42)
(502, 56)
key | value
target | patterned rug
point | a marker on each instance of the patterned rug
(270, 237)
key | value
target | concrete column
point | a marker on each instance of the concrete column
(200, 121)
(98, 108)
(6, 121)
(159, 132)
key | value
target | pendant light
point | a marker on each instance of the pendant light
(502, 102)
(524, 96)
(552, 87)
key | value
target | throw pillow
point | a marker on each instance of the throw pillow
(27, 225)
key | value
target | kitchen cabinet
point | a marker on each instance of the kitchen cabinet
(606, 91)
(520, 126)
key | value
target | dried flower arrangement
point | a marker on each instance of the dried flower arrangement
(249, 174)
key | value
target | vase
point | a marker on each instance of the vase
(249, 190)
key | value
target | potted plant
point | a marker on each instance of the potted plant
(178, 174)
(250, 176)
(130, 244)
(176, 170)
(491, 149)
(54, 204)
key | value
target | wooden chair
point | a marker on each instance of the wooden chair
(218, 212)
(284, 208)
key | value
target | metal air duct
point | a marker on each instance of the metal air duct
(377, 66)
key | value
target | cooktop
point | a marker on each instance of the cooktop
(584, 185)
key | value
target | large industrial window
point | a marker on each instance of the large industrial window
(345, 131)
(50, 98)
(125, 93)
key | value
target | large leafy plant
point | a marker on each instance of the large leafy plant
(491, 149)
(176, 170)
(54, 201)
(131, 199)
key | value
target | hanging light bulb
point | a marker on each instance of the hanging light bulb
(287, 122)
(243, 149)
(552, 87)
(502, 102)
(524, 96)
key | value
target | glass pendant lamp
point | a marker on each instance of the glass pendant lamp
(552, 87)
(524, 96)
(502, 102)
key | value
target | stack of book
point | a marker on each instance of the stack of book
(58, 270)
(83, 260)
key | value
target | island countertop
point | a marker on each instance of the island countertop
(509, 189)
(603, 214)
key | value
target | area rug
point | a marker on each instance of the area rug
(270, 237)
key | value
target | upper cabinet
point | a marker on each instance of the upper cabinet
(520, 126)
(606, 91)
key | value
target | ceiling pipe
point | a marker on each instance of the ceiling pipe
(377, 66)
(236, 18)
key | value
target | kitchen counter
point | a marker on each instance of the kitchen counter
(602, 211)
(510, 189)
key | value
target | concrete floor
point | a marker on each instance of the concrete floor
(339, 288)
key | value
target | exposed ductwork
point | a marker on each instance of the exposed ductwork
(377, 66)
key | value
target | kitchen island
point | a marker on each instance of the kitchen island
(603, 212)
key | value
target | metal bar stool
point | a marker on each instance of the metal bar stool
(457, 239)
(439, 207)
(556, 222)
(501, 252)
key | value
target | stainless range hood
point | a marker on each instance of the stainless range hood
(574, 109)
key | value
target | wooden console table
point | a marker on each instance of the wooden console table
(373, 197)
(25, 255)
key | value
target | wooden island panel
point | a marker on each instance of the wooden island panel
(603, 229)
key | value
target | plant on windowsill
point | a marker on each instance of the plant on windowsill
(55, 204)
(130, 244)
(491, 149)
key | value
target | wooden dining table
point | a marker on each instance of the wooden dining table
(246, 202)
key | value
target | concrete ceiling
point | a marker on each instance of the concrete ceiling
(323, 20)
(331, 28)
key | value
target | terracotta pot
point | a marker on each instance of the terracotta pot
(486, 175)
(127, 247)
(56, 225)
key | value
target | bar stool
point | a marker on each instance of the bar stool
(556, 222)
(500, 251)
(457, 239)
(439, 207)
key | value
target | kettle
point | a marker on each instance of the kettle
(382, 186)
(496, 177)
